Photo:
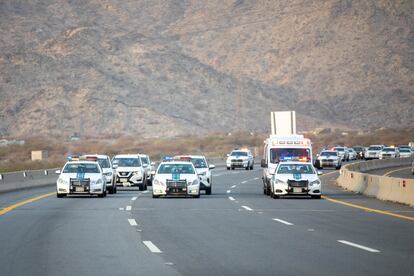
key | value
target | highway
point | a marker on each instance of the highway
(235, 231)
(399, 172)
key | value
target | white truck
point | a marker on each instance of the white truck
(283, 145)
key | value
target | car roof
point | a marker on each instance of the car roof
(189, 155)
(333, 151)
(82, 162)
(100, 156)
(179, 162)
(295, 163)
(127, 156)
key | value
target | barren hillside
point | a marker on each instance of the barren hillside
(171, 67)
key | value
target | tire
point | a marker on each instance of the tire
(115, 189)
(316, 196)
(155, 196)
(141, 187)
(101, 195)
(208, 190)
(111, 190)
(268, 190)
(145, 186)
(60, 195)
(338, 167)
(228, 168)
(197, 196)
(251, 168)
(232, 168)
(247, 168)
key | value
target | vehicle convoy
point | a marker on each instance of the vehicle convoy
(203, 170)
(107, 169)
(176, 177)
(295, 178)
(406, 153)
(129, 171)
(389, 152)
(373, 152)
(342, 152)
(352, 154)
(328, 158)
(360, 151)
(149, 168)
(240, 158)
(81, 177)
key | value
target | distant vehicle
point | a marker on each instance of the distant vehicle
(404, 147)
(373, 152)
(295, 178)
(149, 168)
(107, 169)
(240, 158)
(129, 171)
(81, 177)
(342, 152)
(352, 154)
(203, 170)
(406, 153)
(328, 158)
(176, 178)
(360, 151)
(389, 152)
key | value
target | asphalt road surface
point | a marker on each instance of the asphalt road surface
(399, 172)
(235, 231)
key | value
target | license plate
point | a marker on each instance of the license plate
(123, 180)
(297, 190)
(79, 189)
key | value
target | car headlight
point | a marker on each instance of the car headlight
(99, 182)
(108, 174)
(202, 174)
(195, 182)
(316, 182)
(137, 173)
(158, 182)
(62, 181)
(278, 181)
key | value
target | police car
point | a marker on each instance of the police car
(240, 158)
(176, 177)
(328, 158)
(81, 177)
(295, 178)
(149, 167)
(107, 169)
(129, 171)
(203, 170)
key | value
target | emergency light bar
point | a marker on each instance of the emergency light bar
(167, 158)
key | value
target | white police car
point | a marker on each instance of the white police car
(107, 169)
(240, 158)
(81, 177)
(295, 178)
(176, 178)
(328, 158)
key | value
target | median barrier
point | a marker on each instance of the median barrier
(27, 179)
(353, 177)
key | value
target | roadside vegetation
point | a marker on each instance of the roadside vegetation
(17, 157)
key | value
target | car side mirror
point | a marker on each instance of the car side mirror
(227, 155)
(145, 165)
(58, 172)
(263, 163)
(320, 173)
(211, 167)
(152, 163)
(114, 166)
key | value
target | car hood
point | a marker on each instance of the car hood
(238, 157)
(164, 177)
(92, 176)
(129, 169)
(298, 177)
(201, 170)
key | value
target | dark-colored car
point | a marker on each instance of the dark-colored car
(360, 152)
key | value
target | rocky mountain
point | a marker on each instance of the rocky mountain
(174, 67)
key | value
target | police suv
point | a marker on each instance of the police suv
(295, 178)
(176, 177)
(129, 171)
(240, 158)
(81, 177)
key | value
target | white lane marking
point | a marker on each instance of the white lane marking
(234, 186)
(228, 191)
(283, 221)
(244, 182)
(134, 198)
(311, 230)
(152, 247)
(144, 192)
(234, 172)
(132, 222)
(216, 174)
(121, 209)
(128, 208)
(247, 208)
(256, 178)
(372, 250)
(231, 198)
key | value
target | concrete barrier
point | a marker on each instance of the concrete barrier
(353, 177)
(27, 179)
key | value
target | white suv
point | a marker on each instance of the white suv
(149, 168)
(129, 171)
(240, 159)
(373, 152)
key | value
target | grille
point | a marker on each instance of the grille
(301, 183)
(79, 182)
(237, 160)
(176, 184)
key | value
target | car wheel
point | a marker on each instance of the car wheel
(268, 190)
(208, 190)
(101, 195)
(110, 190)
(338, 167)
(115, 189)
(316, 196)
(232, 168)
(60, 195)
(228, 168)
(247, 168)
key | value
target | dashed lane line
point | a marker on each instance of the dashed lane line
(282, 221)
(231, 198)
(234, 186)
(228, 191)
(132, 222)
(244, 182)
(372, 250)
(247, 208)
(152, 247)
(128, 208)
(14, 206)
(134, 198)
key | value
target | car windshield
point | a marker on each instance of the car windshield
(357, 148)
(145, 160)
(176, 168)
(339, 149)
(199, 163)
(238, 153)
(328, 153)
(405, 150)
(388, 150)
(81, 168)
(127, 162)
(374, 148)
(277, 154)
(104, 163)
(295, 169)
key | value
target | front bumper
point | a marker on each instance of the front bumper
(327, 163)
(190, 190)
(285, 189)
(85, 190)
(131, 180)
